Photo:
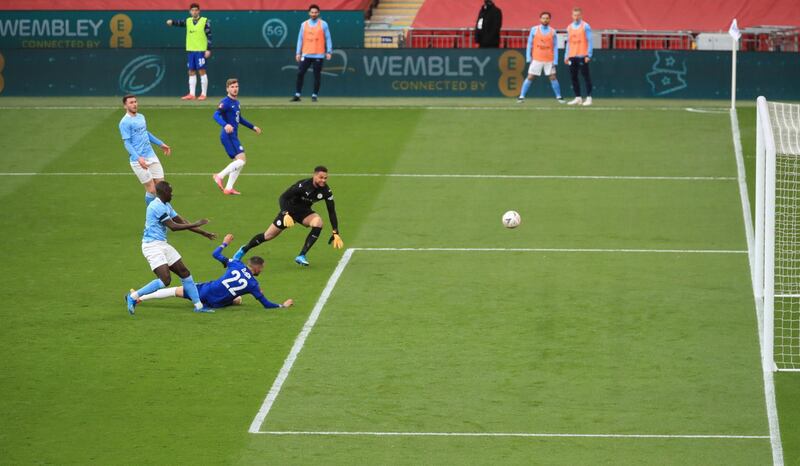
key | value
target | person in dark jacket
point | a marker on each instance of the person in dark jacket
(487, 29)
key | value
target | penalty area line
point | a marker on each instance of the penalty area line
(275, 390)
(416, 175)
(588, 250)
(519, 434)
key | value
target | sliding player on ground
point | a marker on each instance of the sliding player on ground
(137, 141)
(295, 204)
(542, 54)
(237, 281)
(198, 41)
(229, 115)
(161, 256)
(577, 55)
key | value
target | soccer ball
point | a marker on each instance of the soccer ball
(511, 219)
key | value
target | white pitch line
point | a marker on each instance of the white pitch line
(414, 175)
(515, 108)
(612, 250)
(298, 343)
(769, 382)
(519, 434)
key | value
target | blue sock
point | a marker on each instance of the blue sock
(525, 86)
(190, 289)
(556, 88)
(148, 198)
(151, 287)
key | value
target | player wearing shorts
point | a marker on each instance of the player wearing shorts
(542, 54)
(161, 256)
(198, 41)
(295, 204)
(237, 281)
(577, 55)
(137, 141)
(229, 115)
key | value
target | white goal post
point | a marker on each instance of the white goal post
(776, 279)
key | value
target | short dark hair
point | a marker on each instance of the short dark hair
(126, 97)
(256, 260)
(312, 6)
(320, 168)
(194, 5)
(545, 13)
(162, 187)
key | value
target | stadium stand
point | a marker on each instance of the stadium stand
(623, 24)
(389, 22)
(181, 5)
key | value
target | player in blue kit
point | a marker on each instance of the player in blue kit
(161, 256)
(229, 116)
(138, 142)
(237, 281)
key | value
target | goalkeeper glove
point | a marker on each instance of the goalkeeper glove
(288, 221)
(336, 240)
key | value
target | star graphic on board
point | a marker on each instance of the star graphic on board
(670, 61)
(666, 81)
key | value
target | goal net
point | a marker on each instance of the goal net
(778, 231)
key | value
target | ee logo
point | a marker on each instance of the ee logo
(512, 72)
(121, 26)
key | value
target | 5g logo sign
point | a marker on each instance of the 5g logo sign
(274, 31)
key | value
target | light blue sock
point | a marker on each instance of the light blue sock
(151, 287)
(556, 88)
(190, 289)
(148, 197)
(525, 86)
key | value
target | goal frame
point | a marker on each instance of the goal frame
(764, 273)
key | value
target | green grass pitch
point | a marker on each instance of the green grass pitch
(580, 332)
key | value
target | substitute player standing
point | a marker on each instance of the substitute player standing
(313, 46)
(295, 204)
(161, 256)
(237, 281)
(137, 141)
(577, 55)
(198, 41)
(542, 54)
(229, 115)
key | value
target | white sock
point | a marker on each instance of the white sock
(161, 294)
(232, 178)
(204, 83)
(192, 84)
(230, 168)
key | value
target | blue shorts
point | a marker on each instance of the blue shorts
(208, 301)
(231, 144)
(196, 61)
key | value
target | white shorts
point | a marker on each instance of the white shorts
(159, 253)
(154, 170)
(537, 67)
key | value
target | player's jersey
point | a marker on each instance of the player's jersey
(303, 193)
(136, 138)
(156, 214)
(542, 45)
(237, 280)
(229, 113)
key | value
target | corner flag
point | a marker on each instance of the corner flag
(734, 30)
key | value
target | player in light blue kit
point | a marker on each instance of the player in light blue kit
(229, 115)
(137, 141)
(237, 281)
(161, 255)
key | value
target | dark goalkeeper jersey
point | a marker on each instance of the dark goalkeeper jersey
(302, 194)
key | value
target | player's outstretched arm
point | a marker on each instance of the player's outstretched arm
(177, 223)
(335, 239)
(217, 254)
(154, 140)
(269, 304)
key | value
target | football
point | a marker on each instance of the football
(511, 219)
